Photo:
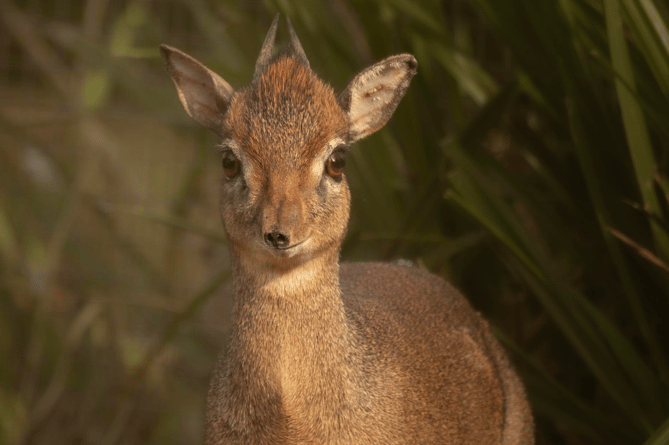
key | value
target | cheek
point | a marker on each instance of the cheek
(323, 190)
(331, 204)
(345, 204)
(236, 208)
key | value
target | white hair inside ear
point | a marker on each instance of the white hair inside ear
(373, 95)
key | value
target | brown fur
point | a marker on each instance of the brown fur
(289, 96)
(323, 354)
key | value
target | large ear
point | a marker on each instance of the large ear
(373, 95)
(204, 95)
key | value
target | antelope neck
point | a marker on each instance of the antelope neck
(290, 336)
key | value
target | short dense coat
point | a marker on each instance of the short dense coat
(323, 353)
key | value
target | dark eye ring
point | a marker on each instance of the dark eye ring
(231, 165)
(335, 164)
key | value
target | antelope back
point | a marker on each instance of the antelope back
(284, 139)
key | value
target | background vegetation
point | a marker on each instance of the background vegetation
(527, 164)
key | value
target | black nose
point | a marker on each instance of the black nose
(277, 239)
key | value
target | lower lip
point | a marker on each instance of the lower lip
(292, 249)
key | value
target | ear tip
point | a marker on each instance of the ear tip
(166, 51)
(410, 60)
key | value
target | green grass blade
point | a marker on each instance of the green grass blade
(651, 32)
(634, 121)
(565, 306)
(584, 135)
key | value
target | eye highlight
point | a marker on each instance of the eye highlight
(231, 165)
(334, 166)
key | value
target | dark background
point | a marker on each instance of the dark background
(527, 164)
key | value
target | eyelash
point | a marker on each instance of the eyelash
(221, 149)
(340, 146)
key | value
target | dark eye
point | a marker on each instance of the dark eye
(335, 164)
(231, 165)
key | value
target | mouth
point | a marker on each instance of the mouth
(290, 251)
(288, 248)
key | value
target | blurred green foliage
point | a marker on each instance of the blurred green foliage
(527, 164)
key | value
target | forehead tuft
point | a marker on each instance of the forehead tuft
(287, 115)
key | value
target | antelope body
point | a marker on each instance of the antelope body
(323, 353)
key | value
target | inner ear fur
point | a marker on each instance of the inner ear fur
(204, 94)
(373, 95)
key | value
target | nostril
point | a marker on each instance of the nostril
(276, 239)
(281, 239)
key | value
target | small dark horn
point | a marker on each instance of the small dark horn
(296, 45)
(267, 47)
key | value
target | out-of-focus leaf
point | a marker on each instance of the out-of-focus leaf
(416, 12)
(13, 417)
(9, 246)
(122, 42)
(171, 221)
(474, 81)
(95, 90)
(660, 436)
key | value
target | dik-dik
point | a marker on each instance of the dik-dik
(323, 352)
